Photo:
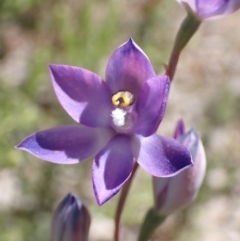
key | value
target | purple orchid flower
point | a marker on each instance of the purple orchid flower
(119, 119)
(206, 9)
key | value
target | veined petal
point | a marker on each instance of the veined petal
(112, 168)
(160, 156)
(83, 94)
(151, 105)
(66, 144)
(128, 68)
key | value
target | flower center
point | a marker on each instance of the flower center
(122, 116)
(123, 99)
(119, 116)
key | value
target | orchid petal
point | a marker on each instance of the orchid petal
(83, 94)
(205, 9)
(161, 156)
(151, 105)
(112, 168)
(175, 193)
(128, 69)
(66, 144)
(232, 6)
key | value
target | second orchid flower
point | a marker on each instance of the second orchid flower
(175, 193)
(207, 9)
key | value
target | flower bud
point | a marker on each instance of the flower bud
(179, 129)
(206, 9)
(175, 193)
(71, 220)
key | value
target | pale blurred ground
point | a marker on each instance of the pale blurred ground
(205, 93)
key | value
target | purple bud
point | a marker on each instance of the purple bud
(71, 220)
(175, 193)
(205, 9)
(179, 129)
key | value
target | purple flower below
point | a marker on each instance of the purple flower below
(119, 119)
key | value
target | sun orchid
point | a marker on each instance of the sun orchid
(119, 119)
(206, 9)
(175, 193)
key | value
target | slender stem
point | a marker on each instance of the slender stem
(150, 224)
(187, 29)
(172, 65)
(121, 202)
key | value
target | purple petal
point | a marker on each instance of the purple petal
(161, 156)
(66, 144)
(83, 94)
(179, 129)
(232, 6)
(211, 9)
(112, 168)
(128, 69)
(206, 8)
(175, 193)
(151, 105)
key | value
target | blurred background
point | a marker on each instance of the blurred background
(205, 93)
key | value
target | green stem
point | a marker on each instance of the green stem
(121, 202)
(188, 28)
(149, 225)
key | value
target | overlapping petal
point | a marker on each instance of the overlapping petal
(112, 167)
(66, 144)
(175, 193)
(160, 156)
(128, 68)
(83, 94)
(151, 105)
